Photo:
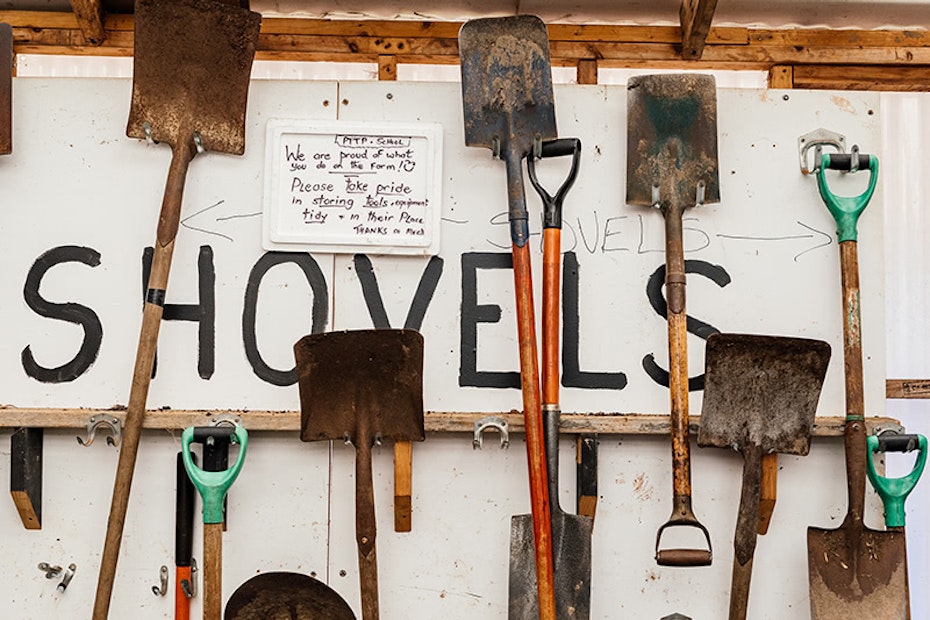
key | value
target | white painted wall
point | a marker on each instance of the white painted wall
(74, 178)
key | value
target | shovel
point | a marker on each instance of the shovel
(212, 486)
(571, 534)
(362, 387)
(760, 397)
(854, 571)
(192, 60)
(508, 107)
(286, 596)
(672, 165)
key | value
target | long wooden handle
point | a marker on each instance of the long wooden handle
(552, 273)
(365, 524)
(769, 492)
(141, 376)
(182, 604)
(212, 571)
(855, 439)
(744, 540)
(535, 442)
(677, 352)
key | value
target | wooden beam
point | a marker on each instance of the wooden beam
(26, 475)
(878, 78)
(602, 422)
(907, 388)
(696, 16)
(89, 14)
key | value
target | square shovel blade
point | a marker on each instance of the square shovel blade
(360, 385)
(762, 392)
(506, 83)
(191, 66)
(672, 140)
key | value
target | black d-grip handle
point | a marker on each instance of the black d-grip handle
(897, 443)
(203, 434)
(552, 205)
(844, 161)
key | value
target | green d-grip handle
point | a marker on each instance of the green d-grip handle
(846, 209)
(894, 491)
(213, 484)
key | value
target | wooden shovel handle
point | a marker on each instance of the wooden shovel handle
(212, 571)
(855, 436)
(141, 377)
(550, 320)
(365, 525)
(535, 442)
(182, 604)
(677, 351)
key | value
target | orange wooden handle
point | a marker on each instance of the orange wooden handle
(182, 604)
(550, 320)
(535, 443)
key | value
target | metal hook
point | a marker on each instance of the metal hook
(491, 422)
(817, 139)
(226, 419)
(699, 198)
(109, 423)
(66, 579)
(190, 587)
(496, 147)
(147, 130)
(537, 146)
(162, 588)
(198, 142)
(50, 571)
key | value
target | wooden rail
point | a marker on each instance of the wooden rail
(809, 58)
(604, 423)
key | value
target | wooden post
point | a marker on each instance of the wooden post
(403, 450)
(26, 475)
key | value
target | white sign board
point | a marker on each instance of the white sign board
(764, 260)
(340, 187)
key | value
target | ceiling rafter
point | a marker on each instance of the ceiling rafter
(89, 14)
(696, 17)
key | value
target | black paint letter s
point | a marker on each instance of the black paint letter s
(68, 312)
(716, 274)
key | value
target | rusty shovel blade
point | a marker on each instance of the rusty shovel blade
(191, 71)
(506, 83)
(760, 397)
(672, 140)
(286, 596)
(361, 387)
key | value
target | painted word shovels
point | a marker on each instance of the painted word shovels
(760, 397)
(360, 387)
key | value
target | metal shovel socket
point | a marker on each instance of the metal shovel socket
(672, 164)
(760, 397)
(361, 387)
(286, 596)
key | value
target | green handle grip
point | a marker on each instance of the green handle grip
(213, 484)
(846, 209)
(894, 491)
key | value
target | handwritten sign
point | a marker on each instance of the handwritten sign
(346, 187)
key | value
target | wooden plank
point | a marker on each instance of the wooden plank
(89, 15)
(885, 78)
(601, 422)
(781, 76)
(26, 475)
(587, 71)
(907, 388)
(696, 17)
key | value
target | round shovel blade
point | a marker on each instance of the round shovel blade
(286, 596)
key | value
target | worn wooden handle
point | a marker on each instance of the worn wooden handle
(182, 604)
(403, 486)
(535, 443)
(212, 571)
(855, 441)
(141, 376)
(365, 525)
(768, 492)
